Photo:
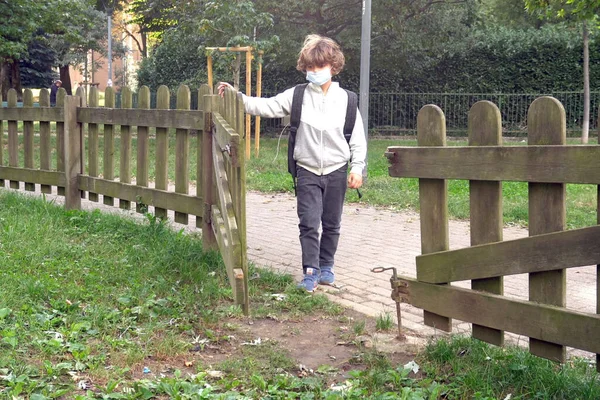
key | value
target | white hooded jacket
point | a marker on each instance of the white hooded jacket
(320, 144)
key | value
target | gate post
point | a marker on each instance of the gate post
(485, 129)
(433, 199)
(72, 153)
(209, 241)
(546, 125)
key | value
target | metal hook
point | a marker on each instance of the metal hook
(378, 270)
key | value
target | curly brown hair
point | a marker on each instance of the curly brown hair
(319, 51)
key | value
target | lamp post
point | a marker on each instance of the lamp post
(109, 80)
(365, 66)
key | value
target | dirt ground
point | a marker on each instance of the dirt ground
(312, 342)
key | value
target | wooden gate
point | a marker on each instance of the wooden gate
(218, 203)
(547, 163)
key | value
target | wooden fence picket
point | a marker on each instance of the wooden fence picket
(28, 138)
(433, 197)
(125, 148)
(203, 91)
(45, 150)
(72, 153)
(109, 146)
(142, 147)
(209, 240)
(485, 129)
(93, 143)
(546, 125)
(60, 139)
(13, 138)
(163, 99)
(182, 152)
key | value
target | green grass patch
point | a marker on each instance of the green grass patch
(471, 369)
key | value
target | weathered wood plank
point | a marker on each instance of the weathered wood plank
(93, 143)
(546, 125)
(551, 164)
(43, 114)
(182, 149)
(13, 138)
(241, 214)
(125, 148)
(73, 166)
(546, 252)
(45, 150)
(150, 196)
(143, 147)
(33, 175)
(225, 244)
(433, 199)
(485, 197)
(204, 90)
(109, 146)
(180, 119)
(60, 137)
(225, 202)
(163, 99)
(227, 139)
(209, 241)
(543, 322)
(28, 138)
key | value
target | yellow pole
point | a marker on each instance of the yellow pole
(209, 67)
(248, 93)
(258, 94)
(224, 49)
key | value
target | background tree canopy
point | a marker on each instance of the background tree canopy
(417, 45)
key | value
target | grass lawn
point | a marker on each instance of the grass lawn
(97, 306)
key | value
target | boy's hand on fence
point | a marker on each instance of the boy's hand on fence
(355, 181)
(221, 88)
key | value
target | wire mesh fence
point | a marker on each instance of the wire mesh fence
(396, 113)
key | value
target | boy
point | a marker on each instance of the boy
(321, 154)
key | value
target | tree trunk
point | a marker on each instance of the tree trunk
(65, 77)
(15, 79)
(4, 79)
(236, 71)
(585, 128)
(144, 36)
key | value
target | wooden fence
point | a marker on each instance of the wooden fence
(218, 203)
(547, 163)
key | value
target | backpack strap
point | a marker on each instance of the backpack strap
(350, 114)
(295, 115)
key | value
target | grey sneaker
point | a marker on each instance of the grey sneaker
(327, 276)
(310, 281)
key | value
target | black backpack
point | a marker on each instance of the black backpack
(295, 122)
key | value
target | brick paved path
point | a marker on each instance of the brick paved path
(380, 238)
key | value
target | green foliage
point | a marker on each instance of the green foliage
(21, 18)
(178, 60)
(36, 67)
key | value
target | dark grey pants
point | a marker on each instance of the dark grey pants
(320, 203)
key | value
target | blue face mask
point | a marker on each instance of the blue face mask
(320, 77)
